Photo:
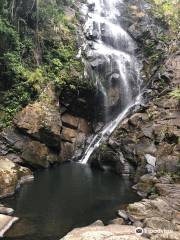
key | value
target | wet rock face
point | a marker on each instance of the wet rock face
(149, 138)
(109, 56)
(11, 176)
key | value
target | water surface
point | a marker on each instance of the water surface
(62, 198)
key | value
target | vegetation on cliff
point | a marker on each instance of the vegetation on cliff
(167, 11)
(38, 45)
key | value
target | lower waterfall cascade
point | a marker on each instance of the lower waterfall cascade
(111, 62)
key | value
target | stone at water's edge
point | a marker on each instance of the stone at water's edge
(110, 232)
(5, 223)
(156, 219)
(5, 210)
(11, 176)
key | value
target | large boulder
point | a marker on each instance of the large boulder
(24, 149)
(11, 176)
(42, 119)
(38, 154)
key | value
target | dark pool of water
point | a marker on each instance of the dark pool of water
(60, 199)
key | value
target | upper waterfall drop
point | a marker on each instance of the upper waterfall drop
(110, 60)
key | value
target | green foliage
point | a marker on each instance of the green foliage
(168, 11)
(37, 46)
(9, 36)
(13, 100)
(175, 93)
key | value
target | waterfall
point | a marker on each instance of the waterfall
(110, 60)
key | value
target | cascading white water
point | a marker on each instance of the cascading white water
(111, 61)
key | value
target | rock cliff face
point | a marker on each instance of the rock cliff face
(44, 133)
(146, 145)
(149, 139)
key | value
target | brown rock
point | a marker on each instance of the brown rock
(146, 184)
(70, 121)
(159, 223)
(41, 120)
(37, 154)
(69, 134)
(84, 126)
(67, 150)
(11, 176)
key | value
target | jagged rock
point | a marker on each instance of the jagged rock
(23, 149)
(162, 212)
(11, 176)
(150, 160)
(146, 184)
(159, 223)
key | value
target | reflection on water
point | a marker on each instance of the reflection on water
(65, 197)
